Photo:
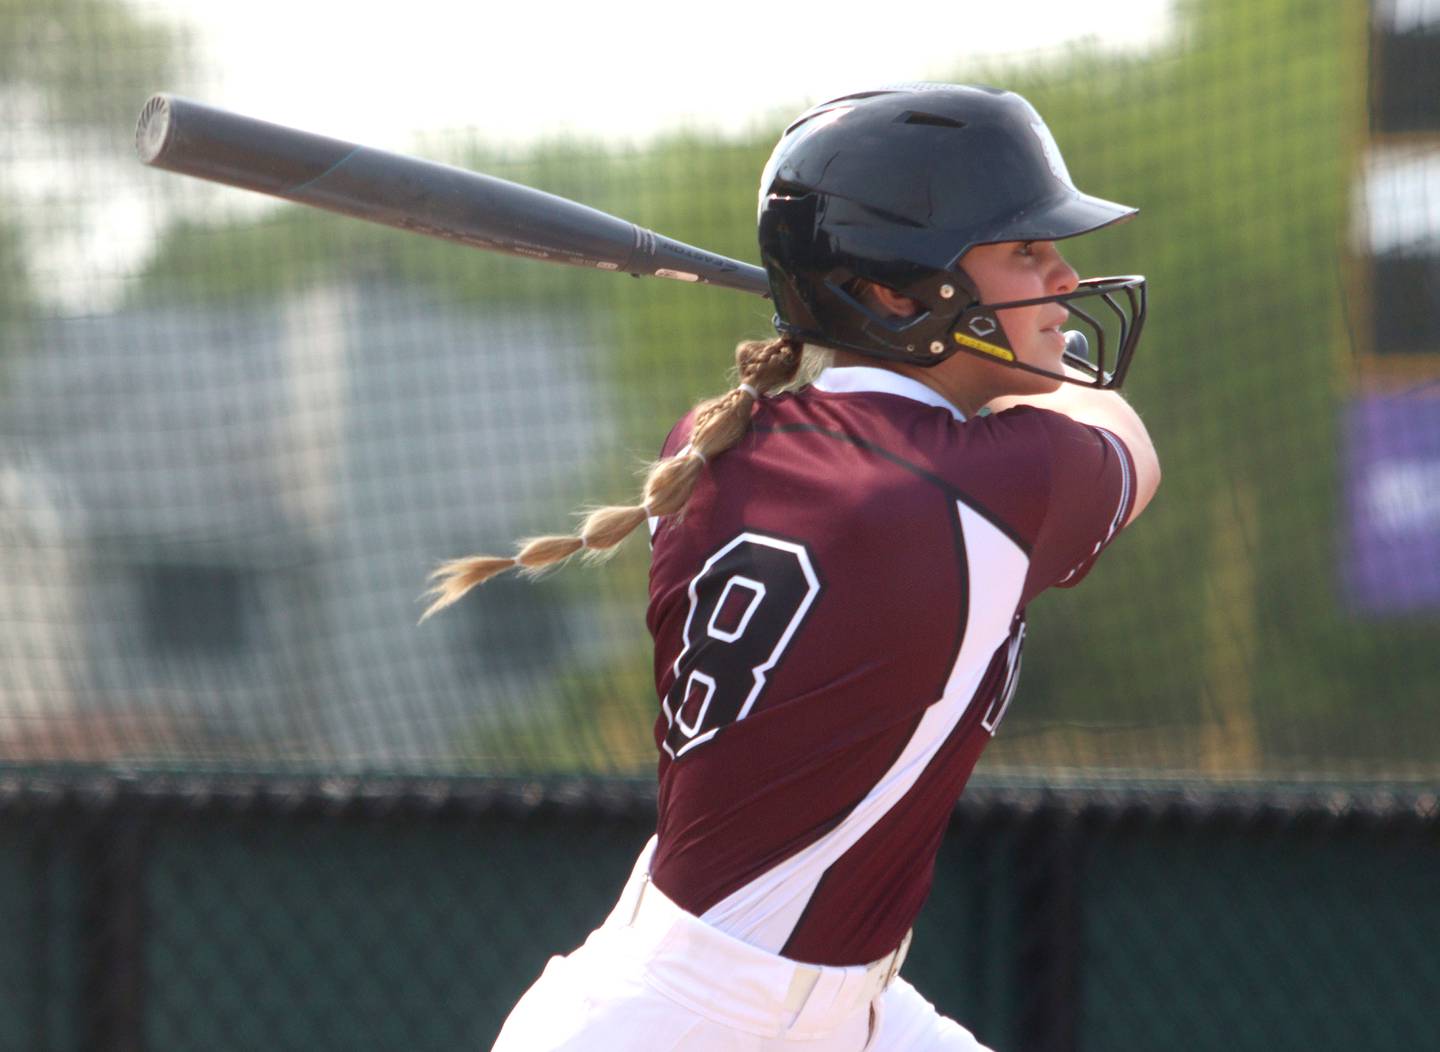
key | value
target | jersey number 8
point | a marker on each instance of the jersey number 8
(746, 604)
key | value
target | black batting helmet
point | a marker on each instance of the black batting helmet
(893, 186)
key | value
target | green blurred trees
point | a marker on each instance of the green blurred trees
(1239, 143)
(83, 64)
(72, 76)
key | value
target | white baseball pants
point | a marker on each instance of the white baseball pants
(654, 978)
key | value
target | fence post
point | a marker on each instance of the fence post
(114, 920)
(1048, 865)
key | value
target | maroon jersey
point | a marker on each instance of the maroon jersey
(838, 620)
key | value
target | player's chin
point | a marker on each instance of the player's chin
(1035, 383)
(1017, 383)
(1024, 382)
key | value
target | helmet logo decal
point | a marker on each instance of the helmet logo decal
(1052, 153)
(982, 325)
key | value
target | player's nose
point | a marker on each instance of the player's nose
(1063, 277)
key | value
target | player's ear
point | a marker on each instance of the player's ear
(886, 300)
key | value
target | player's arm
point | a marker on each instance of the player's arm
(1105, 409)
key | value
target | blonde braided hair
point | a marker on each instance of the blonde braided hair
(763, 366)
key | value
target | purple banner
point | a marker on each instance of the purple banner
(1392, 495)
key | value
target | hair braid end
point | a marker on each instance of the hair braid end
(456, 577)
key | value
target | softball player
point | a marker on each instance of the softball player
(840, 575)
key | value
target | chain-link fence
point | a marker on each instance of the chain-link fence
(279, 915)
(236, 436)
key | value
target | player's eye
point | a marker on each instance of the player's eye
(1027, 248)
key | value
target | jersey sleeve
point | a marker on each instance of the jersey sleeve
(1091, 495)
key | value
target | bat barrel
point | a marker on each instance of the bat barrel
(442, 201)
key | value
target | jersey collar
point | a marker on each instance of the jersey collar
(851, 379)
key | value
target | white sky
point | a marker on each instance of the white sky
(382, 71)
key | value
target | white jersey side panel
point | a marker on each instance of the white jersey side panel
(765, 911)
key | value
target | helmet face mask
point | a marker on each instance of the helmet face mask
(1111, 309)
(893, 187)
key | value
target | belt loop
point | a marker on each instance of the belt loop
(897, 959)
(639, 898)
(802, 984)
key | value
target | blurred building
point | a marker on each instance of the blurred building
(241, 505)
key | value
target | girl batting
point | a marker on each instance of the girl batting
(841, 570)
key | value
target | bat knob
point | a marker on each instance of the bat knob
(153, 130)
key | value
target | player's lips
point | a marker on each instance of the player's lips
(1054, 329)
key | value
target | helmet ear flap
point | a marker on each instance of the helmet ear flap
(977, 327)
